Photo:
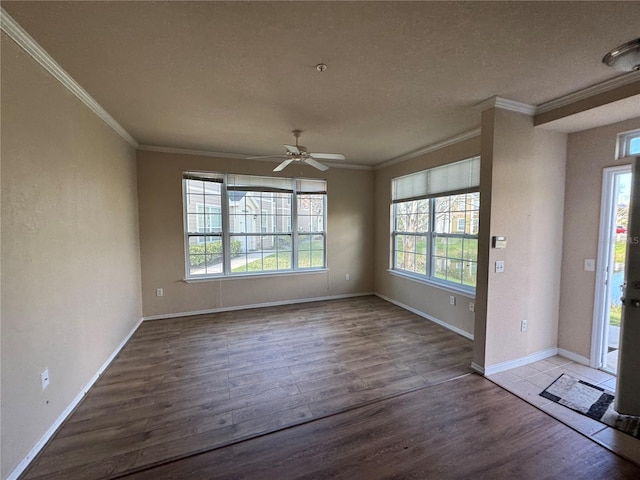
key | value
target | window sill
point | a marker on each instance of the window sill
(438, 285)
(236, 276)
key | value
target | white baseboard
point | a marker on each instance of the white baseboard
(574, 357)
(22, 466)
(457, 330)
(255, 305)
(518, 362)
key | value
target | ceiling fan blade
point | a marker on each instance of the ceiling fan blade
(293, 149)
(315, 164)
(328, 156)
(267, 156)
(283, 165)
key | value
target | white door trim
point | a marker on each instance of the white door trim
(607, 221)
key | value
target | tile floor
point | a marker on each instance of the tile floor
(529, 380)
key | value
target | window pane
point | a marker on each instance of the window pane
(311, 213)
(470, 249)
(454, 271)
(285, 261)
(408, 245)
(205, 255)
(469, 273)
(401, 223)
(304, 259)
(421, 264)
(458, 203)
(193, 201)
(412, 216)
(443, 222)
(472, 222)
(310, 251)
(454, 247)
(284, 243)
(240, 258)
(421, 245)
(440, 268)
(236, 223)
(440, 246)
(269, 253)
(399, 260)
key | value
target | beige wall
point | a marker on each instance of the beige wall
(430, 300)
(349, 237)
(70, 261)
(588, 152)
(522, 192)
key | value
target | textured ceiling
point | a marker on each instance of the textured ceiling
(237, 77)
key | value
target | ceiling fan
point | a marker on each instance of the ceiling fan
(298, 153)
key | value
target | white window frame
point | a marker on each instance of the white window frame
(294, 186)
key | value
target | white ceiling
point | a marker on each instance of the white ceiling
(237, 77)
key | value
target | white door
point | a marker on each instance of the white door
(628, 384)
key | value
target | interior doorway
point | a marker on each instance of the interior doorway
(614, 218)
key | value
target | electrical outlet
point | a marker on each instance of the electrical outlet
(44, 378)
(159, 292)
(472, 307)
(523, 326)
(500, 266)
(346, 277)
(452, 300)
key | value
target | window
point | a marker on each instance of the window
(208, 218)
(629, 144)
(239, 224)
(203, 212)
(435, 223)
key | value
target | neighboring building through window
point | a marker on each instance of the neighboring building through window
(237, 224)
(435, 223)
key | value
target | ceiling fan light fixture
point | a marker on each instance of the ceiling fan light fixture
(298, 153)
(625, 58)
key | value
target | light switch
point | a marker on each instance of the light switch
(499, 266)
(589, 265)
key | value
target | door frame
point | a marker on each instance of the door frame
(602, 289)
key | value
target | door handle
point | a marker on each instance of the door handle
(634, 302)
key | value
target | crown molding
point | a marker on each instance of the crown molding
(506, 104)
(430, 148)
(591, 91)
(40, 55)
(236, 156)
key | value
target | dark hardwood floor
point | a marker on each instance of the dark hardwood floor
(467, 428)
(187, 385)
(354, 388)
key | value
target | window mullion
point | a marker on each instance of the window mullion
(324, 226)
(432, 236)
(186, 226)
(294, 228)
(226, 227)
